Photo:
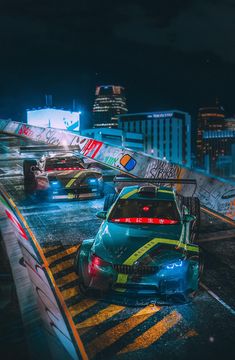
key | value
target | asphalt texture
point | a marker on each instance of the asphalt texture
(201, 329)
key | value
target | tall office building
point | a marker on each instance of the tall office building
(209, 118)
(167, 133)
(109, 102)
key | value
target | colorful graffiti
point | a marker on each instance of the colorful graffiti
(214, 193)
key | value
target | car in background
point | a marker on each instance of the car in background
(146, 245)
(62, 176)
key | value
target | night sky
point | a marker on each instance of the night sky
(167, 54)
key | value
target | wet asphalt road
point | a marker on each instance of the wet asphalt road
(203, 329)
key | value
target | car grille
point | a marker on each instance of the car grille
(135, 269)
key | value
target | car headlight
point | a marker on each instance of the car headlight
(174, 265)
(92, 181)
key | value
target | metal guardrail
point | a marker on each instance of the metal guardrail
(214, 193)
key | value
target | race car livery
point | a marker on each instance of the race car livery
(144, 246)
(61, 177)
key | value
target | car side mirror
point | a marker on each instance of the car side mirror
(188, 218)
(102, 215)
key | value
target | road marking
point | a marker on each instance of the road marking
(154, 333)
(231, 222)
(68, 293)
(100, 317)
(64, 253)
(48, 249)
(112, 335)
(62, 266)
(66, 279)
(216, 297)
(81, 306)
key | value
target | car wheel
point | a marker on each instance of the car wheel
(200, 259)
(109, 200)
(77, 267)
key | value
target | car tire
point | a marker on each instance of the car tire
(29, 177)
(77, 268)
(193, 204)
(109, 200)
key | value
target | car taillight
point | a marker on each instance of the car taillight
(96, 262)
(142, 220)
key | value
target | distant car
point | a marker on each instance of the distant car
(60, 177)
(144, 246)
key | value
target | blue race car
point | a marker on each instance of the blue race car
(144, 246)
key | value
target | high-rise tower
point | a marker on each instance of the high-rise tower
(209, 118)
(109, 102)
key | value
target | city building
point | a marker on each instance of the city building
(230, 123)
(167, 133)
(220, 155)
(117, 137)
(55, 118)
(109, 102)
(209, 118)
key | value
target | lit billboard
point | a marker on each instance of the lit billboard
(55, 118)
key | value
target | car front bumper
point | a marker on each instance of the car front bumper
(163, 283)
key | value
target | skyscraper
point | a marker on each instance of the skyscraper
(109, 102)
(167, 133)
(209, 118)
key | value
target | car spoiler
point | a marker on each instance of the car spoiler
(156, 181)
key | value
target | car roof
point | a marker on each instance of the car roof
(148, 192)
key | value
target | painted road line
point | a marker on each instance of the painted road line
(154, 333)
(189, 334)
(222, 218)
(62, 266)
(217, 298)
(68, 293)
(50, 249)
(100, 317)
(68, 251)
(81, 306)
(66, 279)
(112, 335)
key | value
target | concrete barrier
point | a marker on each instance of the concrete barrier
(54, 313)
(214, 193)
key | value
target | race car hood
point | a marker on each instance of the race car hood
(115, 243)
(64, 177)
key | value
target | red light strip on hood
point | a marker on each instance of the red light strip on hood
(65, 169)
(158, 221)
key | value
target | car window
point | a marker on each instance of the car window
(64, 164)
(145, 211)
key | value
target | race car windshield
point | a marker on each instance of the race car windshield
(161, 212)
(63, 164)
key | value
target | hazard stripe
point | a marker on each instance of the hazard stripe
(81, 306)
(70, 183)
(112, 335)
(154, 333)
(55, 258)
(100, 317)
